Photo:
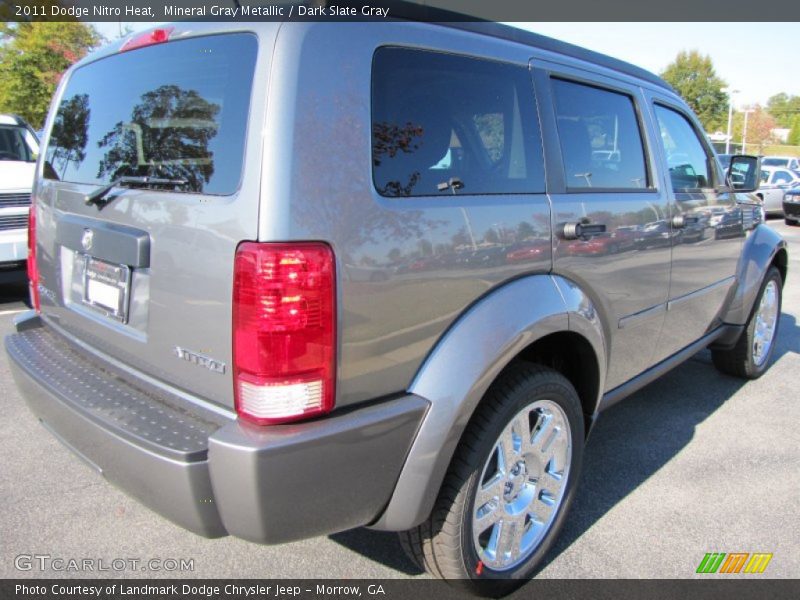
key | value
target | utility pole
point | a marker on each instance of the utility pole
(744, 131)
(730, 93)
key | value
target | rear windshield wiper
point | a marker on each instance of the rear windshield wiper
(96, 197)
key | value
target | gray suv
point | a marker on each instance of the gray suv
(291, 279)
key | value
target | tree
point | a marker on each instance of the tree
(784, 108)
(794, 133)
(525, 230)
(759, 128)
(33, 57)
(693, 77)
(123, 144)
(71, 129)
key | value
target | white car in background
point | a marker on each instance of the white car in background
(787, 162)
(18, 151)
(774, 183)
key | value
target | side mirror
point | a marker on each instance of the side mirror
(744, 173)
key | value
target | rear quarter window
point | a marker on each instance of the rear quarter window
(176, 110)
(445, 124)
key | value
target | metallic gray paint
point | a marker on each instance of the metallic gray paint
(27, 320)
(174, 301)
(703, 255)
(269, 485)
(112, 243)
(283, 483)
(161, 424)
(178, 490)
(465, 361)
(419, 319)
(759, 251)
(628, 278)
(403, 263)
(611, 397)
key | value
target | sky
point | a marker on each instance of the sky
(758, 59)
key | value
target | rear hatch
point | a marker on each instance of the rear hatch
(143, 273)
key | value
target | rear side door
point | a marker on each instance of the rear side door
(602, 179)
(706, 224)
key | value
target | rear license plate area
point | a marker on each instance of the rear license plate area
(106, 287)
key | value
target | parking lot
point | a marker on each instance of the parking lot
(696, 462)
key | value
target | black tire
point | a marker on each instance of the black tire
(738, 361)
(790, 221)
(443, 544)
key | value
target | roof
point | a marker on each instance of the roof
(12, 120)
(418, 12)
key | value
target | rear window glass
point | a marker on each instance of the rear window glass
(445, 124)
(174, 111)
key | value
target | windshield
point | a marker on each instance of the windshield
(17, 143)
(775, 162)
(174, 111)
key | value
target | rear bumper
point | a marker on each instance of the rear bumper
(208, 473)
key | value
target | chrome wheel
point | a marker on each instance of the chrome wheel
(766, 321)
(522, 485)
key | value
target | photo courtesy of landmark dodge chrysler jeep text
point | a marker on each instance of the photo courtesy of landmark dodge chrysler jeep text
(292, 279)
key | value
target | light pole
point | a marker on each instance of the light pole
(730, 93)
(744, 131)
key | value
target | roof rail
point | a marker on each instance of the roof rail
(414, 11)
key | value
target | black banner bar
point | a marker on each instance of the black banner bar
(712, 587)
(420, 10)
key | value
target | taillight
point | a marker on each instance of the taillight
(33, 270)
(284, 331)
(149, 38)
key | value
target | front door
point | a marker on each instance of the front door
(706, 227)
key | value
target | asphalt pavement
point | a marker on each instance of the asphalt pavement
(696, 462)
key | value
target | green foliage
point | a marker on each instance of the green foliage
(693, 77)
(33, 57)
(759, 128)
(794, 133)
(784, 108)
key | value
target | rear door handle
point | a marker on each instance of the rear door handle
(573, 231)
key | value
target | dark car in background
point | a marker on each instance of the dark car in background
(791, 206)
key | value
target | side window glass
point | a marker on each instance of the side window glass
(689, 165)
(600, 138)
(782, 177)
(445, 124)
